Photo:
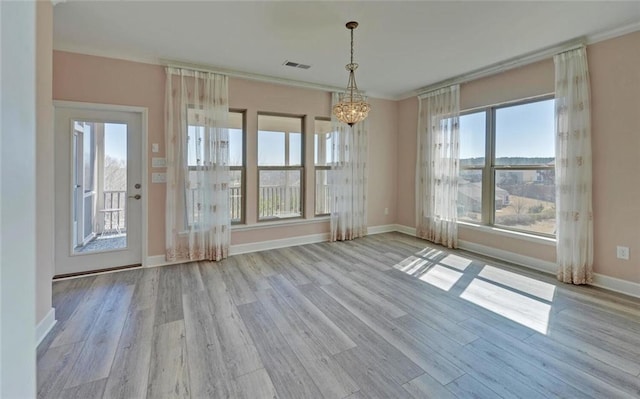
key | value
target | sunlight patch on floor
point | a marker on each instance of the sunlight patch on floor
(411, 265)
(429, 253)
(518, 282)
(455, 261)
(440, 277)
(522, 309)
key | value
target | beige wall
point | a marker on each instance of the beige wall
(615, 80)
(407, 152)
(104, 80)
(614, 66)
(615, 89)
(516, 84)
(44, 158)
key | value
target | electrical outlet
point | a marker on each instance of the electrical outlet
(622, 252)
(157, 162)
(158, 178)
(386, 211)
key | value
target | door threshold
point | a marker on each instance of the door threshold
(95, 272)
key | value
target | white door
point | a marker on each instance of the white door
(98, 195)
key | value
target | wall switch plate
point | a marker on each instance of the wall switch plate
(157, 162)
(158, 178)
(386, 211)
(155, 147)
(622, 252)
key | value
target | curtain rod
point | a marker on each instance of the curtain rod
(511, 63)
(250, 76)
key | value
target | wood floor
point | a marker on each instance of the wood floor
(386, 316)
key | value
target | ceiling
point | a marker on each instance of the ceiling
(400, 46)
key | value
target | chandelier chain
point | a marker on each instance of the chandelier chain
(351, 46)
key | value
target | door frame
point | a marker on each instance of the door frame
(144, 116)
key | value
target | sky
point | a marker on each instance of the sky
(521, 131)
(115, 140)
(271, 147)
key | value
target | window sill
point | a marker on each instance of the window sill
(509, 233)
(278, 223)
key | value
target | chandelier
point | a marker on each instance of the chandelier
(352, 108)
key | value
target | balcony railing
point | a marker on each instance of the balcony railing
(274, 202)
(322, 199)
(279, 202)
(235, 205)
(114, 211)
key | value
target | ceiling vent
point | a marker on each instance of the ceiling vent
(296, 65)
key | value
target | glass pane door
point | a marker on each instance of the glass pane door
(99, 213)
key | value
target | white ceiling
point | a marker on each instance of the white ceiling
(400, 46)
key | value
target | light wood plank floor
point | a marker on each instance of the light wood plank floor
(386, 316)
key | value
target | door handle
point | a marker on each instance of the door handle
(136, 197)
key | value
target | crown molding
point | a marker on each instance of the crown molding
(70, 48)
(263, 78)
(84, 50)
(613, 33)
(499, 67)
(249, 75)
(493, 69)
(525, 59)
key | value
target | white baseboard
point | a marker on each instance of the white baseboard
(280, 243)
(616, 285)
(406, 229)
(161, 260)
(512, 257)
(384, 228)
(599, 280)
(45, 325)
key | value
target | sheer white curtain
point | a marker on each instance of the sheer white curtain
(197, 141)
(574, 214)
(348, 179)
(437, 166)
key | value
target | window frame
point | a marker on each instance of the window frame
(490, 169)
(285, 168)
(316, 168)
(241, 168)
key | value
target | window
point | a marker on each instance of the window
(280, 167)
(472, 165)
(323, 159)
(236, 165)
(507, 158)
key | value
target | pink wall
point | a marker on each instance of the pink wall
(615, 80)
(615, 89)
(516, 84)
(407, 152)
(614, 66)
(104, 80)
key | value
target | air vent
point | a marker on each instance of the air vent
(296, 65)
